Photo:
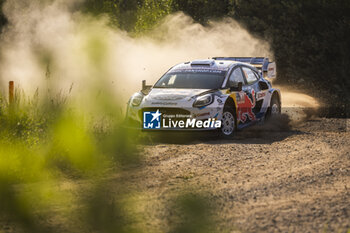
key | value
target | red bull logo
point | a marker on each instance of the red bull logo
(245, 107)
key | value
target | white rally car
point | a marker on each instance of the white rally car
(223, 93)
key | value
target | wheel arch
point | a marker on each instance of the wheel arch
(276, 93)
(231, 103)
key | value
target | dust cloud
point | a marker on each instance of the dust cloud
(298, 106)
(50, 46)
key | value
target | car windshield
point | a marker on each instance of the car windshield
(193, 79)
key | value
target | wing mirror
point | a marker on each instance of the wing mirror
(263, 85)
(236, 86)
(145, 88)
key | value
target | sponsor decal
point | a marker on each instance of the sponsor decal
(260, 95)
(164, 103)
(168, 97)
(202, 114)
(157, 120)
(209, 71)
(245, 106)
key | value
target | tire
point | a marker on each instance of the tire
(274, 109)
(229, 119)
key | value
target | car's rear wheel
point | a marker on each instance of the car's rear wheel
(228, 121)
(275, 108)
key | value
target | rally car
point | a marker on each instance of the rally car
(222, 93)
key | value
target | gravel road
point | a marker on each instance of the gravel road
(284, 179)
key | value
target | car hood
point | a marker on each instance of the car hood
(174, 94)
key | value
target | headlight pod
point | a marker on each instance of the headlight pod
(136, 99)
(203, 100)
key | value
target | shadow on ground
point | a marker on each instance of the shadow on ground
(275, 129)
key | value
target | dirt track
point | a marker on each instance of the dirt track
(266, 179)
(295, 180)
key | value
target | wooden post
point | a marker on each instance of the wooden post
(11, 92)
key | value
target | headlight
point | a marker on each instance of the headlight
(136, 99)
(202, 101)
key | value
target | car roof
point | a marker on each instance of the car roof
(211, 64)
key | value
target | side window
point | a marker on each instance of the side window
(236, 77)
(257, 75)
(250, 76)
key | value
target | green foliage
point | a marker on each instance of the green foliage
(309, 39)
(203, 10)
(42, 144)
(46, 145)
(122, 13)
(103, 7)
(22, 120)
(150, 13)
(59, 160)
(131, 15)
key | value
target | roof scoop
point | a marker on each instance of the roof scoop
(205, 63)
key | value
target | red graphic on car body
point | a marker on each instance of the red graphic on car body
(245, 107)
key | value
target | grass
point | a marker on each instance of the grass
(57, 157)
(45, 143)
(55, 169)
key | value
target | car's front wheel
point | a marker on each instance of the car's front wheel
(228, 121)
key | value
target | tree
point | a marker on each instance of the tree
(3, 20)
(203, 10)
(310, 39)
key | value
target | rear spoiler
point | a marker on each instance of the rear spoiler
(261, 63)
